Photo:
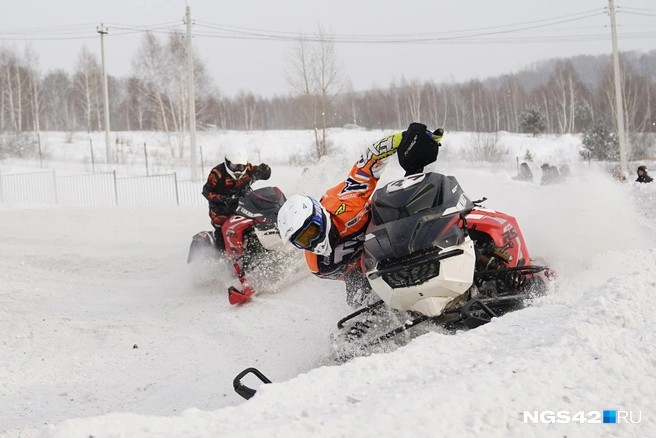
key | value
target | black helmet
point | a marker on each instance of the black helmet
(643, 168)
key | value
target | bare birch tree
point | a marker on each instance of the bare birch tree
(316, 76)
(32, 67)
(88, 86)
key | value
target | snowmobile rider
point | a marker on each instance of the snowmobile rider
(332, 229)
(643, 177)
(226, 183)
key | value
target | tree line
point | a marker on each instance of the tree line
(565, 95)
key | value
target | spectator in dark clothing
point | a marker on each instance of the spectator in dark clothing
(226, 183)
(546, 174)
(643, 177)
(550, 175)
(524, 174)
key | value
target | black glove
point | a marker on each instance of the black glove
(418, 148)
(232, 201)
(263, 171)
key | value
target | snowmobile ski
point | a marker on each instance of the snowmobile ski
(473, 313)
(244, 390)
(367, 309)
(236, 296)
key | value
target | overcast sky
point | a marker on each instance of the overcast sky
(258, 65)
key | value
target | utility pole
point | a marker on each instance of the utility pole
(192, 98)
(618, 93)
(102, 30)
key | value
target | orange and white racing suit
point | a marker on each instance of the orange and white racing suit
(349, 206)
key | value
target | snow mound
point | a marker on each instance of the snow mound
(577, 350)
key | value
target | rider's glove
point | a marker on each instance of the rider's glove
(263, 171)
(437, 135)
(419, 147)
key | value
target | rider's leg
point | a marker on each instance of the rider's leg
(218, 218)
(358, 288)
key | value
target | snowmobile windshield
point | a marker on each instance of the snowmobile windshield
(312, 232)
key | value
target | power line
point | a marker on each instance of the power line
(263, 35)
(642, 14)
(636, 9)
(237, 29)
(73, 32)
(148, 26)
(46, 28)
(483, 41)
(482, 35)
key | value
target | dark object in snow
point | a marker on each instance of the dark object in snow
(244, 390)
(550, 175)
(135, 346)
(643, 176)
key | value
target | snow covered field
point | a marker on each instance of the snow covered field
(106, 332)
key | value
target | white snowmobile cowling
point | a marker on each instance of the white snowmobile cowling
(271, 240)
(430, 297)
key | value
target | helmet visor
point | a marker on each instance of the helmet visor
(237, 168)
(312, 231)
(307, 236)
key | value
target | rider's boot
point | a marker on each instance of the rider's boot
(219, 242)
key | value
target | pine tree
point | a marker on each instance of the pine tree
(600, 143)
(533, 121)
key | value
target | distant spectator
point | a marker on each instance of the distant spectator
(643, 177)
(564, 170)
(550, 175)
(524, 174)
(546, 174)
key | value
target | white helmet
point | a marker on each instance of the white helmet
(236, 162)
(305, 223)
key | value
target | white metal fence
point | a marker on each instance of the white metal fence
(99, 189)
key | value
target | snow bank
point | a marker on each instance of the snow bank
(596, 352)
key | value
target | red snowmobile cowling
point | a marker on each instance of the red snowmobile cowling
(250, 232)
(505, 232)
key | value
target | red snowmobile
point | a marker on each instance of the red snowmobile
(248, 235)
(431, 254)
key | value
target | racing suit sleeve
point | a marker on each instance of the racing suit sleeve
(348, 201)
(215, 188)
(348, 205)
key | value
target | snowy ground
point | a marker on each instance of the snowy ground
(80, 287)
(277, 147)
